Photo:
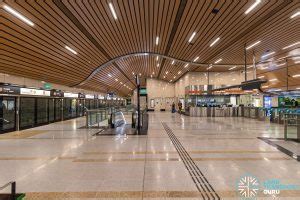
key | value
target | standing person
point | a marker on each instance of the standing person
(173, 107)
(179, 107)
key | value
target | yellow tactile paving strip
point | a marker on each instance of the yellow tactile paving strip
(21, 134)
(140, 194)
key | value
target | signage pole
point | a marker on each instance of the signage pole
(138, 104)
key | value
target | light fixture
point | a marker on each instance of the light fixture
(231, 68)
(192, 37)
(173, 62)
(233, 79)
(278, 65)
(157, 65)
(116, 79)
(214, 42)
(152, 72)
(265, 86)
(132, 73)
(210, 66)
(290, 45)
(196, 59)
(252, 45)
(109, 75)
(186, 65)
(272, 80)
(249, 67)
(113, 11)
(261, 77)
(156, 58)
(18, 15)
(179, 72)
(151, 75)
(297, 62)
(140, 74)
(164, 76)
(174, 77)
(121, 83)
(157, 40)
(170, 81)
(296, 75)
(252, 6)
(268, 54)
(219, 60)
(167, 72)
(295, 14)
(68, 48)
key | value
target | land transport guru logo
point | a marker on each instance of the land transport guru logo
(248, 187)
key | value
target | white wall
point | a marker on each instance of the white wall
(162, 92)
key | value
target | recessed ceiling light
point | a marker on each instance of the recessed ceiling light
(140, 74)
(121, 83)
(265, 86)
(196, 59)
(252, 45)
(252, 6)
(214, 42)
(167, 72)
(268, 54)
(109, 75)
(219, 60)
(174, 77)
(173, 62)
(290, 45)
(157, 65)
(295, 14)
(179, 72)
(113, 11)
(261, 77)
(152, 72)
(157, 40)
(274, 79)
(231, 68)
(73, 51)
(278, 65)
(192, 37)
(156, 58)
(132, 73)
(18, 15)
(296, 75)
(164, 76)
(170, 80)
(186, 65)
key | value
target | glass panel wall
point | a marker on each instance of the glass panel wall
(51, 109)
(7, 114)
(67, 108)
(73, 108)
(27, 112)
(42, 110)
(57, 109)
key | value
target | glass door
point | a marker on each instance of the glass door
(7, 114)
(51, 110)
(27, 112)
(57, 109)
(42, 111)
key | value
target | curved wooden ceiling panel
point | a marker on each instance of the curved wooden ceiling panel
(155, 26)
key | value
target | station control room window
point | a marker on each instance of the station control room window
(7, 114)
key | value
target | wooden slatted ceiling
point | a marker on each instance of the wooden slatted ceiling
(90, 29)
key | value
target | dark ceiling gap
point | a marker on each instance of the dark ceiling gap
(173, 32)
(76, 22)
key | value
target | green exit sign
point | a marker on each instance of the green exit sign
(47, 86)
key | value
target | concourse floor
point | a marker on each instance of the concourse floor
(181, 158)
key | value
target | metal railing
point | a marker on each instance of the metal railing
(95, 117)
(13, 188)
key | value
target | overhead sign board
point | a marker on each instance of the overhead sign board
(9, 90)
(34, 92)
(71, 95)
(89, 96)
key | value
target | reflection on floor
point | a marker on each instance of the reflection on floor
(178, 158)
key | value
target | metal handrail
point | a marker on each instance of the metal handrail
(13, 188)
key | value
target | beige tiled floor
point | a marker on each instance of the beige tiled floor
(60, 161)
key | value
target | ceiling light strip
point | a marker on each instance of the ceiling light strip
(18, 15)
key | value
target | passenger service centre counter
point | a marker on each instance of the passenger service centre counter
(22, 108)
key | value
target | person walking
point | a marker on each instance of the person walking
(179, 107)
(173, 108)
